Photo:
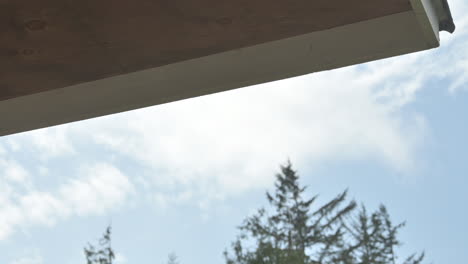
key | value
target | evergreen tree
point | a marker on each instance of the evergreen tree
(103, 254)
(373, 239)
(292, 233)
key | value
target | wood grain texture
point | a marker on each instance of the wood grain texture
(49, 44)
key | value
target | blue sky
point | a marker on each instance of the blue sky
(180, 177)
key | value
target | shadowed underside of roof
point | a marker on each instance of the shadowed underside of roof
(50, 44)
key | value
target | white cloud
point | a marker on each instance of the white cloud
(13, 145)
(12, 171)
(227, 143)
(120, 258)
(14, 178)
(100, 188)
(28, 260)
(105, 188)
(34, 258)
(455, 53)
(46, 143)
(2, 150)
(43, 171)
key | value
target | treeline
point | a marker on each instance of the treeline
(291, 231)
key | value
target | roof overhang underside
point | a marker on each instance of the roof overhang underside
(63, 61)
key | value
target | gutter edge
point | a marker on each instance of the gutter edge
(446, 22)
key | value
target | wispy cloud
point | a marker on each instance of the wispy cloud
(34, 258)
(45, 143)
(225, 144)
(120, 258)
(98, 189)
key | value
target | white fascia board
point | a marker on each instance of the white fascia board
(325, 50)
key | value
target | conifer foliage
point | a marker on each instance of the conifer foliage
(293, 232)
(103, 254)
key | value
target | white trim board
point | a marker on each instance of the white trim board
(365, 41)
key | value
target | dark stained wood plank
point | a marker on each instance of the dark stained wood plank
(48, 44)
